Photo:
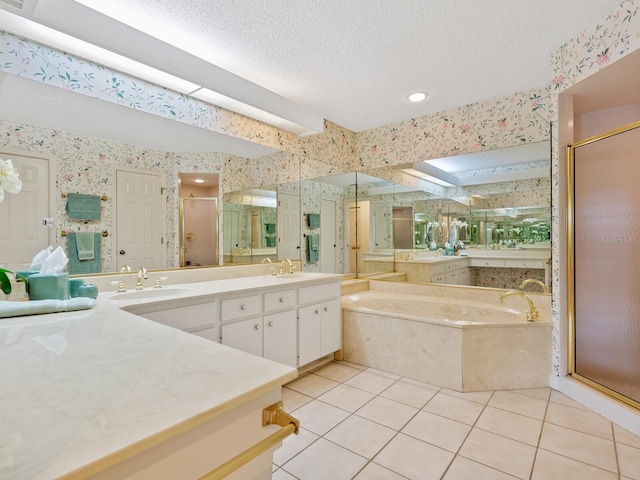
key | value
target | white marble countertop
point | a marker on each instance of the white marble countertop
(76, 387)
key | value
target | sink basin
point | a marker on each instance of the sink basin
(151, 293)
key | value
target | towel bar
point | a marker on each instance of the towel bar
(273, 415)
(104, 198)
(64, 233)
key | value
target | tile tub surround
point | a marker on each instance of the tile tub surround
(465, 358)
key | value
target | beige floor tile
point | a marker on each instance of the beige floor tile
(629, 461)
(580, 446)
(436, 430)
(293, 400)
(550, 466)
(346, 397)
(478, 397)
(282, 475)
(370, 382)
(361, 436)
(625, 436)
(373, 471)
(464, 411)
(351, 364)
(383, 373)
(319, 417)
(542, 393)
(337, 372)
(414, 458)
(325, 460)
(387, 412)
(577, 419)
(420, 384)
(562, 399)
(292, 445)
(517, 403)
(312, 385)
(409, 394)
(500, 453)
(465, 469)
(511, 425)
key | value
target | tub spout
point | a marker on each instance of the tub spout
(533, 280)
(532, 316)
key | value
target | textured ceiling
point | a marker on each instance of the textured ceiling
(355, 61)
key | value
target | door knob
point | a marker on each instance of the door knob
(122, 252)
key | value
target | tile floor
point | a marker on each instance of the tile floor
(364, 424)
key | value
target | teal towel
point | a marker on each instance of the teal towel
(271, 227)
(314, 220)
(77, 266)
(83, 207)
(271, 241)
(313, 247)
(85, 245)
(38, 307)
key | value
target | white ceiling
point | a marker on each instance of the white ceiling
(355, 61)
(351, 61)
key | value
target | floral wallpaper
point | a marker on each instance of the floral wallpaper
(596, 47)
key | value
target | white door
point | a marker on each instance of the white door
(288, 226)
(230, 231)
(359, 235)
(245, 335)
(22, 234)
(139, 220)
(328, 237)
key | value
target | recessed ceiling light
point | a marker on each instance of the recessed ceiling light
(417, 97)
(198, 180)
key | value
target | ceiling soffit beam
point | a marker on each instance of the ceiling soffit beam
(91, 26)
(436, 172)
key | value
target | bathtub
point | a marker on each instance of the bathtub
(461, 338)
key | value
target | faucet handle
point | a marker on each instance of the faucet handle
(292, 267)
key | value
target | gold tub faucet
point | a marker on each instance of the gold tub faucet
(532, 316)
(533, 280)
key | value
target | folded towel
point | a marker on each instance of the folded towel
(85, 245)
(38, 307)
(313, 219)
(313, 247)
(270, 241)
(83, 207)
(271, 227)
(77, 266)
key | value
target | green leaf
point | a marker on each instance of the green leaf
(4, 280)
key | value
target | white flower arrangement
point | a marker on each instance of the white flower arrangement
(9, 180)
(459, 224)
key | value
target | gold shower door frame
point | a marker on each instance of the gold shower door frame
(602, 298)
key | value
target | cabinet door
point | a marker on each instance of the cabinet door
(245, 335)
(280, 337)
(331, 335)
(309, 333)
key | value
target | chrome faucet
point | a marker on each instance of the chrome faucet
(533, 280)
(291, 266)
(532, 316)
(142, 274)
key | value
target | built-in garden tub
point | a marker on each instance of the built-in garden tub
(461, 338)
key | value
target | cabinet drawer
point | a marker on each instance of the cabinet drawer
(233, 308)
(524, 264)
(279, 300)
(483, 262)
(318, 292)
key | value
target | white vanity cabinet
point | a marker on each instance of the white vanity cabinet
(198, 316)
(248, 325)
(293, 326)
(319, 322)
